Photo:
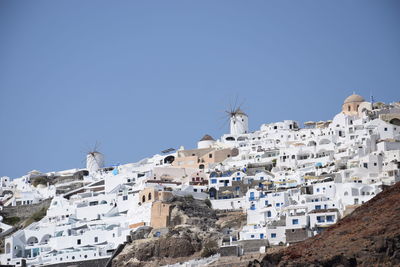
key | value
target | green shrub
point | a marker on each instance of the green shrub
(209, 248)
(208, 202)
(11, 220)
(274, 162)
(40, 180)
(37, 216)
(188, 197)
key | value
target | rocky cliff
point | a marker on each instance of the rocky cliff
(194, 232)
(370, 236)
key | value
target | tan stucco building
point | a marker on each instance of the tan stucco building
(160, 214)
(150, 194)
(201, 158)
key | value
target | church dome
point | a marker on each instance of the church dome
(354, 98)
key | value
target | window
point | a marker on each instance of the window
(273, 235)
(295, 221)
(210, 156)
(385, 129)
(317, 207)
(329, 218)
(124, 197)
(251, 195)
(261, 236)
(96, 239)
(78, 241)
(268, 213)
(252, 236)
(213, 181)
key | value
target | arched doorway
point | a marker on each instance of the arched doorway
(213, 193)
(169, 159)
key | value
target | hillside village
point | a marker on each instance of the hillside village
(290, 182)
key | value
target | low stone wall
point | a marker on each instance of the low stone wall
(251, 246)
(87, 263)
(229, 251)
(25, 211)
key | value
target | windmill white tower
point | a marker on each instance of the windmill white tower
(94, 161)
(239, 122)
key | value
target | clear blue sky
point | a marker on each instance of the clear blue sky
(143, 76)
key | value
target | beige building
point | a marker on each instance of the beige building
(201, 158)
(150, 194)
(160, 214)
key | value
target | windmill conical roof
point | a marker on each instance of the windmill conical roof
(238, 111)
(207, 138)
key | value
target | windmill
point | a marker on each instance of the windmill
(94, 159)
(237, 118)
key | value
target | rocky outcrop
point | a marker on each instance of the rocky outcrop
(370, 236)
(193, 225)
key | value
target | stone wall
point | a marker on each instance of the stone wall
(229, 251)
(297, 235)
(87, 263)
(25, 211)
(250, 246)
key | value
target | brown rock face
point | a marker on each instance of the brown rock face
(193, 225)
(370, 236)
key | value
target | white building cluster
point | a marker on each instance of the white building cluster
(292, 182)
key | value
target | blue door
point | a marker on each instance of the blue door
(251, 195)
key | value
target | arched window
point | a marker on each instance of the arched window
(32, 240)
(45, 239)
(8, 248)
(149, 198)
(143, 199)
